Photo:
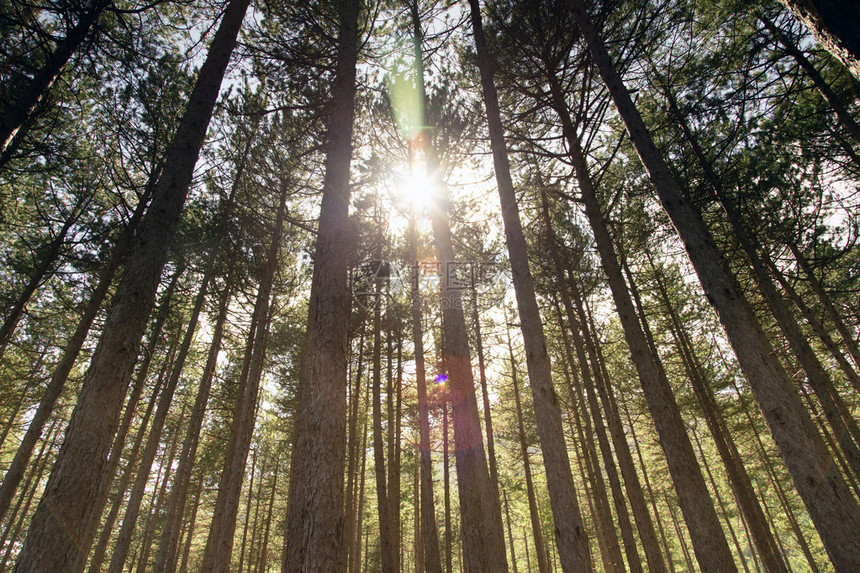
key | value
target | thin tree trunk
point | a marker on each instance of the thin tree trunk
(432, 556)
(124, 482)
(37, 277)
(829, 309)
(261, 562)
(572, 539)
(248, 505)
(19, 514)
(446, 479)
(543, 566)
(219, 545)
(194, 507)
(833, 509)
(352, 458)
(168, 545)
(510, 535)
(731, 458)
(315, 515)
(62, 529)
(386, 535)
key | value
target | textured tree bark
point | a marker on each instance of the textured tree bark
(833, 509)
(534, 515)
(571, 538)
(315, 515)
(63, 526)
(116, 502)
(833, 23)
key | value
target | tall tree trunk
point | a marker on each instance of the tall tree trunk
(510, 534)
(62, 529)
(18, 112)
(833, 24)
(432, 556)
(352, 457)
(167, 547)
(833, 509)
(117, 500)
(315, 515)
(248, 506)
(709, 542)
(386, 535)
(219, 545)
(264, 550)
(572, 539)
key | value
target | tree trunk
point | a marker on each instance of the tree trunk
(386, 535)
(65, 522)
(568, 528)
(833, 509)
(315, 515)
(833, 24)
(116, 502)
(168, 545)
(219, 545)
(534, 514)
(731, 458)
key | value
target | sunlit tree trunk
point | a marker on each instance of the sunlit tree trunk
(572, 541)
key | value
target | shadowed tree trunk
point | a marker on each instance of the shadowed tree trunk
(833, 23)
(833, 509)
(65, 521)
(315, 515)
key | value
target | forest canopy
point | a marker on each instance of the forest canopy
(487, 286)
